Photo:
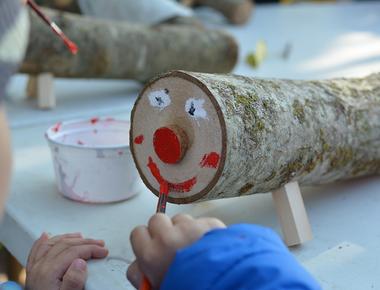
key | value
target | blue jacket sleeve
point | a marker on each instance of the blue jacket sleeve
(240, 257)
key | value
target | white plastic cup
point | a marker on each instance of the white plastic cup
(92, 160)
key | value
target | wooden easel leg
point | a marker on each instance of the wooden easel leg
(42, 87)
(292, 214)
(31, 87)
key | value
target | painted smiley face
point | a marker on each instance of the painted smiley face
(176, 137)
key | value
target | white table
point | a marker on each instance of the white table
(327, 40)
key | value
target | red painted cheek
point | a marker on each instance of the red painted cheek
(139, 139)
(210, 160)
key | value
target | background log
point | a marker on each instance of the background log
(124, 51)
(65, 5)
(236, 11)
(277, 131)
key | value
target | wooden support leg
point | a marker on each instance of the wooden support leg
(292, 214)
(31, 87)
(42, 87)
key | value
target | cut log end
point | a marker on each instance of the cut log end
(193, 171)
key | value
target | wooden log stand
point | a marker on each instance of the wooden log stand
(41, 87)
(237, 135)
(292, 214)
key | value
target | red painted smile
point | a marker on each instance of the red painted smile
(184, 186)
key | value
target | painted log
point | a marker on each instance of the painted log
(116, 50)
(236, 135)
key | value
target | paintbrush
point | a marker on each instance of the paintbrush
(161, 207)
(71, 45)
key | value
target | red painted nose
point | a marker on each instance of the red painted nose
(170, 144)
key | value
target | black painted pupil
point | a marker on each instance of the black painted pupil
(159, 101)
(192, 109)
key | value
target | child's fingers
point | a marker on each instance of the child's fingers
(64, 244)
(158, 224)
(61, 263)
(48, 244)
(75, 276)
(33, 252)
(134, 274)
(211, 223)
(181, 218)
(140, 240)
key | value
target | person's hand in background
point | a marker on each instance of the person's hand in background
(59, 263)
(155, 246)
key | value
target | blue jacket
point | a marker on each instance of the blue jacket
(240, 257)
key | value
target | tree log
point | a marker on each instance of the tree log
(236, 11)
(65, 5)
(123, 51)
(268, 133)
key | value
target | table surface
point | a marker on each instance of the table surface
(326, 40)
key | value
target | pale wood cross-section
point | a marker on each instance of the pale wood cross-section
(292, 214)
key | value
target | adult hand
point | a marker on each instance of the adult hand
(155, 245)
(59, 263)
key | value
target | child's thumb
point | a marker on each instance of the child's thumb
(75, 276)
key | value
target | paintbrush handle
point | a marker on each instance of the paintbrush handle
(37, 9)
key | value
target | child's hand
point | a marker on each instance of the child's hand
(155, 246)
(59, 263)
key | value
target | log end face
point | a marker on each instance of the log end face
(182, 140)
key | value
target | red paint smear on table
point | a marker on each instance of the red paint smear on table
(139, 139)
(110, 119)
(57, 127)
(94, 120)
(185, 186)
(79, 142)
(210, 160)
(166, 145)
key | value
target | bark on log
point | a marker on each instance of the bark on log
(236, 11)
(278, 131)
(73, 7)
(124, 51)
(65, 5)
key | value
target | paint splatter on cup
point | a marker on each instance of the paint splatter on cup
(92, 160)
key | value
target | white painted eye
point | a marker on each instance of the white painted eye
(195, 108)
(159, 99)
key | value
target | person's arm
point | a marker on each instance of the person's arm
(238, 257)
(177, 254)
